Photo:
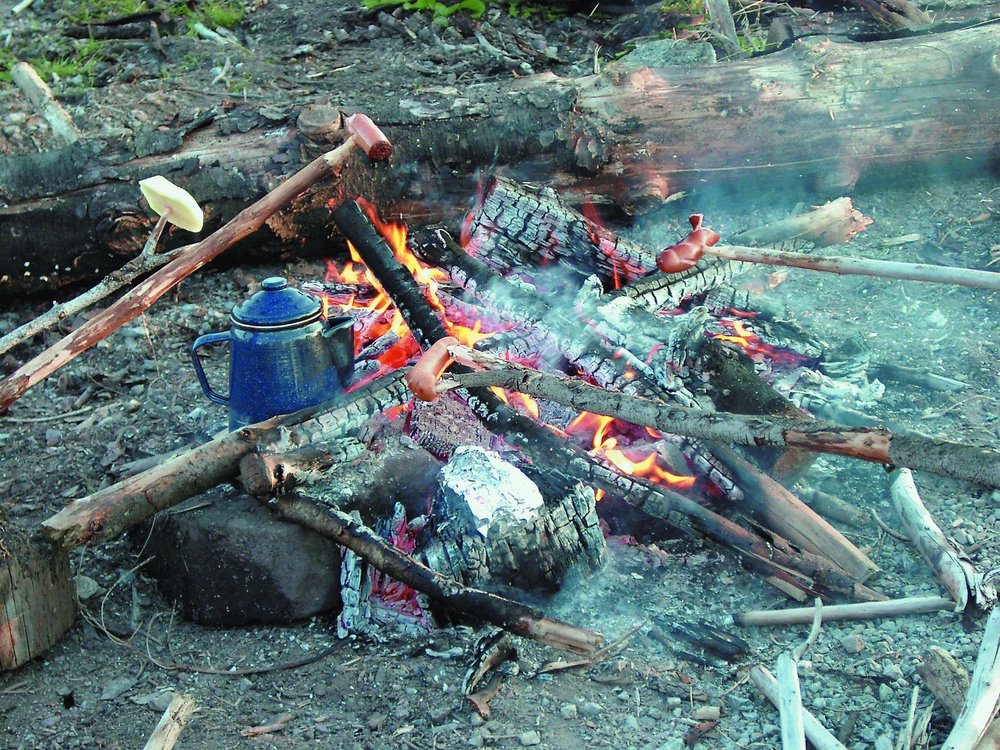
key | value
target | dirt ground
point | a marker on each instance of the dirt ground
(135, 395)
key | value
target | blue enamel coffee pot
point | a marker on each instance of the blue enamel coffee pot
(283, 356)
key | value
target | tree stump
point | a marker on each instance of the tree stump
(37, 602)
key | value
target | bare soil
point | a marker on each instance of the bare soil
(136, 395)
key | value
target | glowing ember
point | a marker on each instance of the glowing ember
(757, 349)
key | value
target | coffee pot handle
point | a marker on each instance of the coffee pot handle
(207, 340)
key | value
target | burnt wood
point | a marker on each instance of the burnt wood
(821, 107)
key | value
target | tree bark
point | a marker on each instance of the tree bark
(629, 136)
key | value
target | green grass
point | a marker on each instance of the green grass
(225, 13)
(70, 58)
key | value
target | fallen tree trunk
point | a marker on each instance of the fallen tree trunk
(818, 107)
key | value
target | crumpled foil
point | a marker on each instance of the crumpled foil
(494, 491)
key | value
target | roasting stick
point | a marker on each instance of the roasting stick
(364, 135)
(886, 269)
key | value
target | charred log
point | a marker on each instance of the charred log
(819, 107)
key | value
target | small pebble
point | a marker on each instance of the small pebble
(529, 739)
(53, 437)
(885, 693)
(590, 710)
(568, 711)
(631, 723)
(707, 713)
(475, 740)
(86, 587)
(853, 644)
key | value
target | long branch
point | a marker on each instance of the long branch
(505, 613)
(142, 297)
(879, 445)
(885, 269)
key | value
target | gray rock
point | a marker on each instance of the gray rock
(530, 738)
(116, 687)
(631, 723)
(86, 587)
(590, 710)
(568, 711)
(232, 563)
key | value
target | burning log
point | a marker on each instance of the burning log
(966, 462)
(146, 293)
(833, 93)
(453, 596)
(797, 569)
(107, 513)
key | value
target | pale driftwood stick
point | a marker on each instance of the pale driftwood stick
(793, 731)
(21, 6)
(949, 682)
(793, 735)
(820, 737)
(953, 568)
(981, 702)
(26, 79)
(172, 723)
(108, 512)
(905, 741)
(833, 223)
(861, 611)
(500, 611)
(971, 463)
(142, 263)
(146, 293)
(885, 269)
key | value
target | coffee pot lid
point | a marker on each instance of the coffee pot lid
(276, 304)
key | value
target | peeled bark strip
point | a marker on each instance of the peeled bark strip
(108, 512)
(40, 95)
(497, 610)
(951, 566)
(958, 461)
(820, 107)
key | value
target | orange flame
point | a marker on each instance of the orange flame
(604, 435)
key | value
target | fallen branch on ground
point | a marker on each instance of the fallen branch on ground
(172, 723)
(820, 737)
(914, 605)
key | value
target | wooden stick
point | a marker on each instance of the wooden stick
(971, 463)
(172, 723)
(500, 611)
(949, 682)
(861, 266)
(953, 568)
(914, 605)
(833, 223)
(108, 512)
(793, 732)
(264, 470)
(820, 737)
(142, 297)
(984, 692)
(142, 263)
(26, 79)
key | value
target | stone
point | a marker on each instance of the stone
(853, 644)
(86, 587)
(568, 711)
(707, 713)
(530, 738)
(232, 563)
(590, 710)
(116, 687)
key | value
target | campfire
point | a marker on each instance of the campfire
(552, 366)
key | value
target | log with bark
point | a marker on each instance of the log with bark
(818, 107)
(108, 512)
(37, 596)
